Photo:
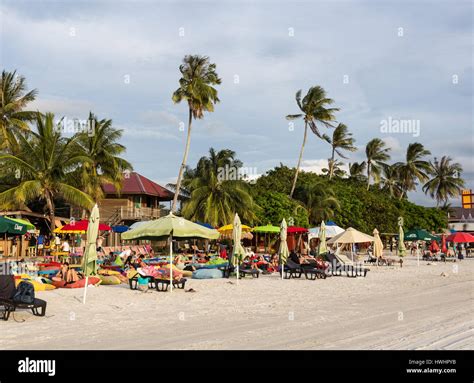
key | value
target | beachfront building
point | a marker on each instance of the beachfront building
(139, 199)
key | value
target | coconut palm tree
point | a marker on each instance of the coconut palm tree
(377, 154)
(336, 167)
(315, 111)
(196, 87)
(445, 181)
(13, 118)
(390, 180)
(44, 162)
(356, 171)
(217, 192)
(320, 201)
(414, 168)
(341, 140)
(100, 144)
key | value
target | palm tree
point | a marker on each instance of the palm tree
(390, 180)
(336, 167)
(13, 119)
(314, 111)
(320, 201)
(341, 140)
(215, 194)
(100, 145)
(196, 87)
(445, 182)
(376, 153)
(356, 171)
(44, 163)
(415, 168)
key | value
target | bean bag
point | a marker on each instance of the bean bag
(207, 274)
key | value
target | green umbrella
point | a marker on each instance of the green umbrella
(238, 251)
(266, 229)
(89, 264)
(168, 227)
(401, 243)
(322, 248)
(28, 224)
(10, 226)
(283, 250)
(419, 235)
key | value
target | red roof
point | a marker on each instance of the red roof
(134, 183)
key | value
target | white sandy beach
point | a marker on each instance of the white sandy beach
(409, 308)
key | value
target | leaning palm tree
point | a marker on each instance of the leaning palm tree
(43, 163)
(445, 182)
(215, 195)
(195, 87)
(377, 154)
(341, 140)
(13, 118)
(414, 169)
(100, 144)
(315, 111)
(390, 180)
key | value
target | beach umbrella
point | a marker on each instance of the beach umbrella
(401, 243)
(266, 229)
(283, 250)
(419, 235)
(169, 227)
(120, 228)
(434, 247)
(80, 227)
(229, 229)
(444, 248)
(29, 226)
(378, 245)
(208, 225)
(90, 254)
(238, 252)
(10, 226)
(331, 231)
(296, 230)
(351, 236)
(460, 237)
(322, 248)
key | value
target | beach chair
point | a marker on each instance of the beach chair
(38, 307)
(292, 270)
(341, 263)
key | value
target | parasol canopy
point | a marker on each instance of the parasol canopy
(228, 229)
(419, 235)
(351, 235)
(266, 229)
(378, 245)
(460, 237)
(80, 227)
(9, 226)
(296, 229)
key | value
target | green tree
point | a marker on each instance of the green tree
(100, 144)
(341, 140)
(13, 118)
(414, 169)
(217, 191)
(390, 180)
(356, 171)
(315, 111)
(196, 87)
(319, 201)
(377, 154)
(445, 181)
(43, 165)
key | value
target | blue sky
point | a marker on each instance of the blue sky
(376, 59)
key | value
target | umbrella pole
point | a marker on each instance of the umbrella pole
(86, 256)
(171, 263)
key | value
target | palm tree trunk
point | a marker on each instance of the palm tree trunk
(50, 206)
(299, 159)
(368, 174)
(331, 166)
(183, 164)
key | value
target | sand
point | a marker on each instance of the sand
(413, 307)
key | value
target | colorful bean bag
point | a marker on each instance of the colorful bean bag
(207, 274)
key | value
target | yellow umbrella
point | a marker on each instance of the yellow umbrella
(378, 245)
(228, 229)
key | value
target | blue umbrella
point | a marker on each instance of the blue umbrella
(208, 225)
(120, 228)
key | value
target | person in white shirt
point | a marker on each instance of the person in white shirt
(65, 246)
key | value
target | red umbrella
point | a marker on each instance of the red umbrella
(82, 226)
(295, 229)
(434, 247)
(460, 237)
(444, 248)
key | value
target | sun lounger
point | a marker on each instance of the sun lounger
(341, 263)
(157, 283)
(38, 307)
(292, 270)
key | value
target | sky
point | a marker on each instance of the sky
(381, 61)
